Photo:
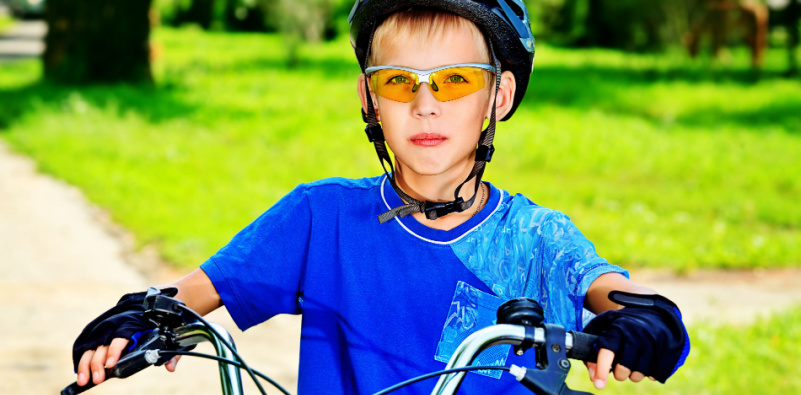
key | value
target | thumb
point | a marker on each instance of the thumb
(171, 364)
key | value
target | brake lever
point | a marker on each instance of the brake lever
(162, 309)
(552, 368)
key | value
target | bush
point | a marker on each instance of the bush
(311, 20)
(622, 24)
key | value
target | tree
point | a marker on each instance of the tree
(98, 41)
(625, 24)
(196, 11)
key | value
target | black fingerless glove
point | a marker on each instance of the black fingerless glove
(125, 320)
(647, 335)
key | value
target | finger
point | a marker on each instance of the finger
(605, 358)
(83, 367)
(622, 372)
(637, 377)
(172, 363)
(591, 366)
(98, 365)
(651, 377)
(114, 351)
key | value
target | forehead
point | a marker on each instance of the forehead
(425, 43)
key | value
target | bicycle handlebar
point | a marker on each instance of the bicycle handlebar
(553, 347)
(143, 356)
(183, 338)
(126, 367)
(582, 347)
(524, 330)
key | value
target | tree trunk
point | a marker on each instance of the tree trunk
(98, 41)
(598, 32)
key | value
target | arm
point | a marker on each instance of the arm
(621, 326)
(195, 290)
(597, 299)
(639, 329)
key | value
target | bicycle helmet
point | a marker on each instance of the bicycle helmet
(505, 24)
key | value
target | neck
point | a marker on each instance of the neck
(440, 188)
(435, 188)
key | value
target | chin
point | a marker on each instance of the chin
(429, 169)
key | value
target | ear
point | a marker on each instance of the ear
(504, 97)
(363, 97)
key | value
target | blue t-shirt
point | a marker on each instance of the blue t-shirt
(385, 303)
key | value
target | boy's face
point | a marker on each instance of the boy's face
(430, 137)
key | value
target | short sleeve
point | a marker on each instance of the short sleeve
(570, 265)
(259, 273)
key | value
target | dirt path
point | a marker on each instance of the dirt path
(23, 40)
(60, 267)
(61, 264)
(727, 296)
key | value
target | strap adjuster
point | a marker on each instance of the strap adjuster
(434, 210)
(484, 153)
(374, 133)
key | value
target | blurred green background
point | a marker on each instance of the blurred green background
(663, 161)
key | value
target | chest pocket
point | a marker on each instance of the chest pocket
(471, 309)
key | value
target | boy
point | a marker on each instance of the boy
(383, 301)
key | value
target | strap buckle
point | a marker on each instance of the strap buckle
(374, 133)
(484, 153)
(435, 210)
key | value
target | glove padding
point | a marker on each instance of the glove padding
(647, 335)
(124, 320)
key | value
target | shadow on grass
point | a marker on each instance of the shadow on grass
(169, 98)
(156, 104)
(600, 88)
(337, 68)
(580, 88)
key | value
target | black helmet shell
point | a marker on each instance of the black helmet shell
(512, 40)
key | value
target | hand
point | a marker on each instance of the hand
(101, 344)
(105, 357)
(646, 337)
(599, 371)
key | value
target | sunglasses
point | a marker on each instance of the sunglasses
(447, 82)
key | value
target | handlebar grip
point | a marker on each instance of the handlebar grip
(130, 364)
(583, 347)
(125, 367)
(74, 388)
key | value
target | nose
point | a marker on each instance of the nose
(424, 103)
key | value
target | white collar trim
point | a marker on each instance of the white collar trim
(497, 207)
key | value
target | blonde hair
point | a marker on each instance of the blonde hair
(421, 25)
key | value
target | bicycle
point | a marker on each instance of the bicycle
(520, 323)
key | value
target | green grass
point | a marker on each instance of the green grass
(756, 359)
(661, 162)
(664, 166)
(5, 23)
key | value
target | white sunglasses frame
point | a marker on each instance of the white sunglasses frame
(425, 75)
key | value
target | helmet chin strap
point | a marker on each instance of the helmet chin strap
(432, 210)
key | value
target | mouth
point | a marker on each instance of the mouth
(427, 139)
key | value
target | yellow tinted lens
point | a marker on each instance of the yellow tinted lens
(455, 82)
(394, 84)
